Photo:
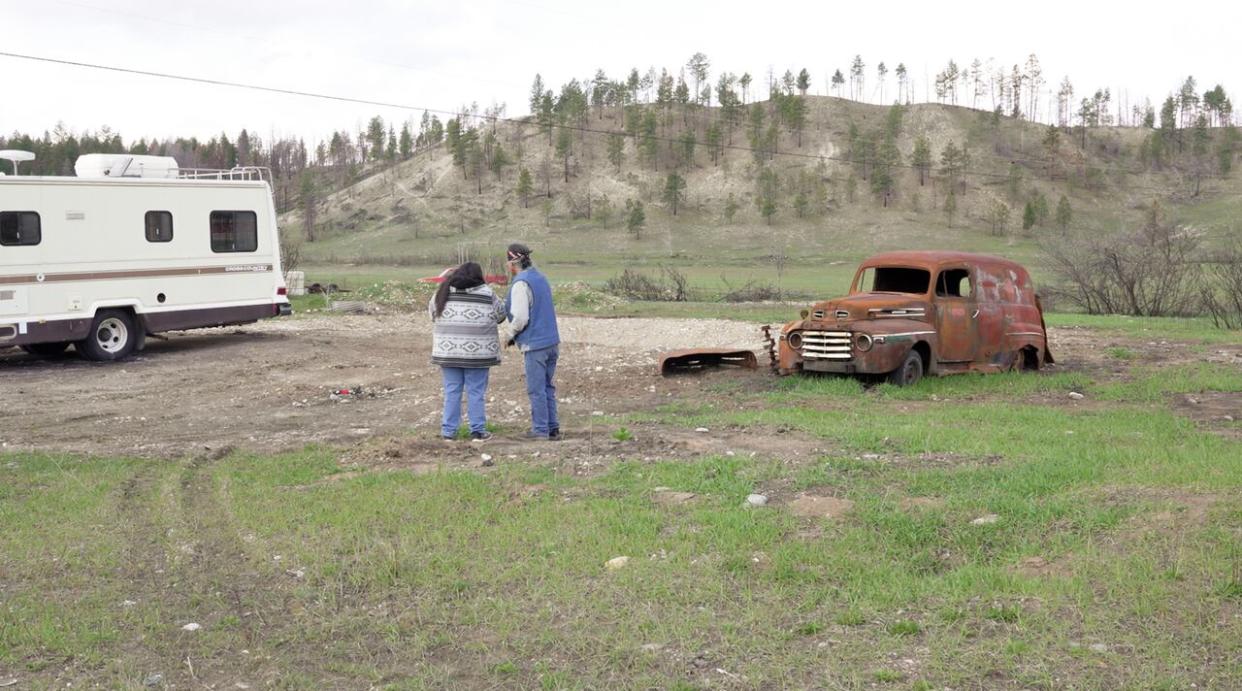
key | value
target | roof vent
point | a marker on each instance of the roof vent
(125, 166)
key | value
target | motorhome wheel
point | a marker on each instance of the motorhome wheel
(112, 336)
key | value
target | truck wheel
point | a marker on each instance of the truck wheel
(112, 337)
(46, 349)
(910, 372)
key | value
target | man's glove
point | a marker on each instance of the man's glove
(510, 343)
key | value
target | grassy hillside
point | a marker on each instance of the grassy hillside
(423, 214)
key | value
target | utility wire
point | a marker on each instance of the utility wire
(495, 118)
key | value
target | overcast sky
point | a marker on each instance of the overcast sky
(444, 54)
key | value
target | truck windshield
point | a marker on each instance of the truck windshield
(894, 279)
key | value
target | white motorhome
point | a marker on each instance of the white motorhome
(134, 246)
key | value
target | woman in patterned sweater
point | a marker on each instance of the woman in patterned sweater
(465, 344)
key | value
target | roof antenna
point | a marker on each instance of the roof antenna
(16, 155)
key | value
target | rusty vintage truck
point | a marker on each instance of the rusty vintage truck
(914, 313)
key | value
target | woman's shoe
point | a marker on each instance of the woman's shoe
(480, 436)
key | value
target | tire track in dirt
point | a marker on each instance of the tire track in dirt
(219, 585)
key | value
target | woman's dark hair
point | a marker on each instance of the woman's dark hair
(468, 275)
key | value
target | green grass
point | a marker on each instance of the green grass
(1153, 328)
(457, 578)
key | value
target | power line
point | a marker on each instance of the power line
(495, 118)
(216, 30)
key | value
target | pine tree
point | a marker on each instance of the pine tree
(616, 150)
(688, 143)
(765, 199)
(698, 66)
(998, 216)
(950, 206)
(1052, 147)
(838, 80)
(635, 218)
(376, 137)
(564, 148)
(536, 94)
(407, 141)
(1013, 181)
(804, 81)
(310, 203)
(1199, 147)
(856, 78)
(952, 162)
(888, 158)
(1064, 214)
(1041, 209)
(714, 141)
(525, 186)
(674, 191)
(882, 71)
(921, 158)
(1029, 216)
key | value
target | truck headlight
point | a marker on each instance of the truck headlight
(863, 342)
(795, 340)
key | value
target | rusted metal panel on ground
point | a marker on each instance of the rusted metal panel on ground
(696, 359)
(955, 311)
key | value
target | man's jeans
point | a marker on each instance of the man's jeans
(540, 369)
(474, 380)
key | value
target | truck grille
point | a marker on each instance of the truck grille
(826, 345)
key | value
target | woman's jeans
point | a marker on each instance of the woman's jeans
(474, 381)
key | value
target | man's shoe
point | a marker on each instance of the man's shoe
(446, 437)
(480, 436)
(532, 434)
(554, 435)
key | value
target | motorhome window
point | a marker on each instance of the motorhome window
(234, 231)
(954, 283)
(20, 228)
(159, 226)
(897, 279)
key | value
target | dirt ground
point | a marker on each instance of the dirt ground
(268, 387)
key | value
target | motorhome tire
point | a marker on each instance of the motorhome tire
(46, 349)
(113, 336)
(910, 372)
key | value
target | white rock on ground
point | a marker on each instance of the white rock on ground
(192, 626)
(756, 500)
(987, 519)
(617, 563)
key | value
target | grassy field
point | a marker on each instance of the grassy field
(987, 533)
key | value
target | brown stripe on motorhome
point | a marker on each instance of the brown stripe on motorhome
(136, 273)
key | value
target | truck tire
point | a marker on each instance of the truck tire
(113, 336)
(46, 349)
(910, 371)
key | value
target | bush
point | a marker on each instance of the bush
(1153, 271)
(1222, 292)
(672, 286)
(751, 291)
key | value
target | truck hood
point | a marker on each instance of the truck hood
(877, 306)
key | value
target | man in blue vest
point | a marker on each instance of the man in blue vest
(532, 322)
